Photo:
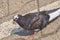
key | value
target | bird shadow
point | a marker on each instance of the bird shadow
(21, 32)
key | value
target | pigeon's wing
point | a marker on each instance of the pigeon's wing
(40, 22)
(45, 21)
(36, 23)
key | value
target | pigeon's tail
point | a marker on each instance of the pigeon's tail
(50, 11)
(54, 14)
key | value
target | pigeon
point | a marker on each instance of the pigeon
(32, 21)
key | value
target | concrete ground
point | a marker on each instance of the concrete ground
(51, 32)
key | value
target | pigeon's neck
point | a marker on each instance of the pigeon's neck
(22, 20)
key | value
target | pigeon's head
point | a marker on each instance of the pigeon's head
(15, 18)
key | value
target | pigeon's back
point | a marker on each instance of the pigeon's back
(30, 18)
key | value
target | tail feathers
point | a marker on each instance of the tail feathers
(55, 14)
(50, 11)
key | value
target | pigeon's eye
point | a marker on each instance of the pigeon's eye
(16, 18)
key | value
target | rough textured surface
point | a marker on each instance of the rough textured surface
(51, 32)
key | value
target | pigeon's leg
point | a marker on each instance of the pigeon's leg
(32, 36)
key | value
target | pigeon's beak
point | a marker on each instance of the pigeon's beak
(14, 22)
